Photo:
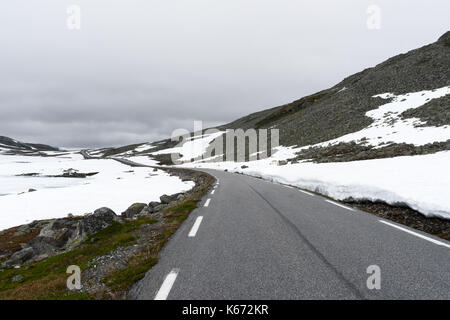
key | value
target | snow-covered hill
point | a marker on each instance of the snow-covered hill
(12, 146)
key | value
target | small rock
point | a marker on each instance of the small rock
(31, 190)
(17, 278)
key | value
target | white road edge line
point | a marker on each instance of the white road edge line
(306, 192)
(416, 234)
(207, 202)
(164, 291)
(195, 227)
(339, 205)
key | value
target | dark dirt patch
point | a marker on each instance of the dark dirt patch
(408, 217)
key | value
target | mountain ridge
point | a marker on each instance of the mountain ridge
(15, 145)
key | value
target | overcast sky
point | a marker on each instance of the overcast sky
(136, 70)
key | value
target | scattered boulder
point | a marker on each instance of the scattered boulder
(42, 245)
(59, 235)
(19, 257)
(99, 220)
(244, 167)
(152, 205)
(54, 235)
(133, 210)
(145, 211)
(31, 190)
(165, 199)
(159, 207)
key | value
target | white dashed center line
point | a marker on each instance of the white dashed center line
(440, 243)
(306, 192)
(207, 202)
(164, 291)
(339, 205)
(212, 192)
(195, 227)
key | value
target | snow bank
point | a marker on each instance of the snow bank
(421, 182)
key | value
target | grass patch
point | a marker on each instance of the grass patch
(180, 212)
(136, 270)
(185, 206)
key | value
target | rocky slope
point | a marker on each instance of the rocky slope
(341, 109)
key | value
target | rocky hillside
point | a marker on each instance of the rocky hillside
(342, 110)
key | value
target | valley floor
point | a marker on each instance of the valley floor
(33, 188)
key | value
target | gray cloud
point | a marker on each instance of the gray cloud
(139, 69)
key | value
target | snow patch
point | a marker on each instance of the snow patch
(116, 186)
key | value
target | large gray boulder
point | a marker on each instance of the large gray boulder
(165, 199)
(19, 257)
(134, 210)
(153, 205)
(99, 220)
(60, 235)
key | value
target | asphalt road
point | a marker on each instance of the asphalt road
(260, 240)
